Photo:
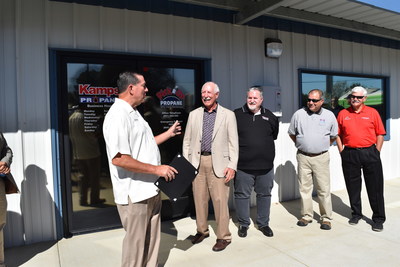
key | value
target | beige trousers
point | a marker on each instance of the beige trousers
(316, 168)
(142, 225)
(207, 185)
(3, 214)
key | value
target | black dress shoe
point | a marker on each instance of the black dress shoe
(242, 232)
(220, 245)
(83, 203)
(199, 237)
(377, 227)
(354, 220)
(97, 202)
(267, 231)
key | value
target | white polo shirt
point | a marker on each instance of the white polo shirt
(126, 132)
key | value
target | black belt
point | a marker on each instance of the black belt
(357, 148)
(206, 153)
(312, 154)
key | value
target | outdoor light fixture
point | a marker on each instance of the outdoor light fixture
(273, 47)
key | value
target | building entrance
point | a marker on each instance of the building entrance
(86, 90)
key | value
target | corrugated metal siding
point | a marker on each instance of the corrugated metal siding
(30, 214)
(237, 58)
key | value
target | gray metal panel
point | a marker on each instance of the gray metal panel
(30, 141)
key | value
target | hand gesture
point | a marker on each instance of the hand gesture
(175, 129)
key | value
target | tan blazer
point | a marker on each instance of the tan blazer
(225, 144)
(6, 156)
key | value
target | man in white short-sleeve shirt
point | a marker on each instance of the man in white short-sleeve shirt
(134, 162)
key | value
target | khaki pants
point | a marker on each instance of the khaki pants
(142, 225)
(207, 185)
(3, 213)
(317, 168)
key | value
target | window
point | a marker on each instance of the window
(337, 86)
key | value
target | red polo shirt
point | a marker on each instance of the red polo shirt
(360, 129)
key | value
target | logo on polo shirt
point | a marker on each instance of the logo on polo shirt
(365, 118)
(347, 118)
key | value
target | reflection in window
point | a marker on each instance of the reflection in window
(170, 98)
(337, 87)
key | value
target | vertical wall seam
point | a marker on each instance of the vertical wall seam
(101, 26)
(48, 108)
(126, 30)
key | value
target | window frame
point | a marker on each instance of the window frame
(385, 90)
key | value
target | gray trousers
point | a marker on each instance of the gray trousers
(262, 184)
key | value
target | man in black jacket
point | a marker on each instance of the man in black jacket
(257, 130)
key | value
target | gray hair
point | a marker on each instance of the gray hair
(256, 88)
(212, 84)
(125, 79)
(359, 89)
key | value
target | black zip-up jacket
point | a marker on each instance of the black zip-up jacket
(256, 139)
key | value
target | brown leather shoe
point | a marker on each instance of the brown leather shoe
(325, 225)
(199, 237)
(220, 245)
(303, 222)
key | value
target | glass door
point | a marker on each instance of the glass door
(87, 83)
(170, 98)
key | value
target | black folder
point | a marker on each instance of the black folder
(186, 174)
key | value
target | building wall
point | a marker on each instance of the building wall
(31, 27)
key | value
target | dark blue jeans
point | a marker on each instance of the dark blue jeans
(262, 184)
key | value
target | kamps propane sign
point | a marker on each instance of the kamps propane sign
(171, 98)
(101, 95)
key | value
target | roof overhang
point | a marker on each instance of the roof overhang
(343, 14)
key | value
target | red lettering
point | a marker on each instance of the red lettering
(180, 94)
(85, 89)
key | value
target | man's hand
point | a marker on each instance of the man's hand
(167, 172)
(229, 174)
(4, 167)
(175, 129)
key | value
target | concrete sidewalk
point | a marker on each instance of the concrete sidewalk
(344, 245)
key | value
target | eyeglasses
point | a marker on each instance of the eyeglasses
(313, 100)
(357, 96)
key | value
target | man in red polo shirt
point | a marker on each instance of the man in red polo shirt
(359, 142)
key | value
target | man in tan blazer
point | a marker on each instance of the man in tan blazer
(211, 145)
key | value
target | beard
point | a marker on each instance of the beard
(252, 107)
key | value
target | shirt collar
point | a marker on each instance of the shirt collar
(214, 110)
(353, 111)
(309, 112)
(125, 105)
